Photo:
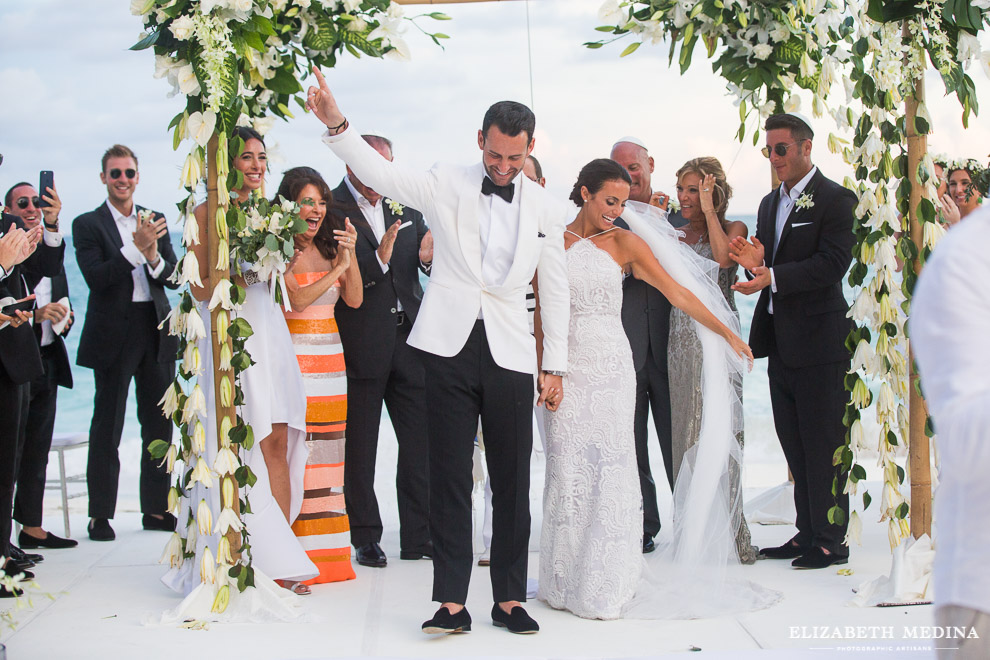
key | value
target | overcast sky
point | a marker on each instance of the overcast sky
(69, 88)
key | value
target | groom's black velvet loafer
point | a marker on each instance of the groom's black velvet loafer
(443, 622)
(648, 544)
(789, 550)
(816, 558)
(517, 621)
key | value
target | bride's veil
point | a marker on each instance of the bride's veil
(689, 576)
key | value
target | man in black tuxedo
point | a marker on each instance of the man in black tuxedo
(393, 246)
(126, 257)
(22, 253)
(23, 201)
(797, 260)
(646, 320)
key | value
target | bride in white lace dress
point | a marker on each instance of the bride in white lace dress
(591, 560)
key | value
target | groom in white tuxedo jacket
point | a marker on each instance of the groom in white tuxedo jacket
(492, 230)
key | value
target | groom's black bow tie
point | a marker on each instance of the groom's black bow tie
(505, 192)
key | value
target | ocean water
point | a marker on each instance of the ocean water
(75, 406)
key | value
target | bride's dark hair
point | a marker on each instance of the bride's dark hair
(595, 174)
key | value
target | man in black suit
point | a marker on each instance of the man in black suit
(23, 201)
(393, 245)
(797, 260)
(22, 252)
(646, 320)
(126, 257)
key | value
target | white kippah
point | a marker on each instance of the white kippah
(631, 140)
(801, 118)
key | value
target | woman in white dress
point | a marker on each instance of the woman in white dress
(591, 559)
(274, 406)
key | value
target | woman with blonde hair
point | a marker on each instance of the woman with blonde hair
(703, 194)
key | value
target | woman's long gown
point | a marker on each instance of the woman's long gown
(322, 526)
(684, 370)
(591, 543)
(273, 393)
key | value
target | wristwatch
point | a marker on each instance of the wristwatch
(548, 372)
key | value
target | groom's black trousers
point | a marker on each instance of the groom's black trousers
(458, 390)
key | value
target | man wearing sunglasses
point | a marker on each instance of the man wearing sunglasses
(24, 253)
(126, 259)
(796, 262)
(52, 319)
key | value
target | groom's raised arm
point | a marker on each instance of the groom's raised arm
(411, 187)
(555, 304)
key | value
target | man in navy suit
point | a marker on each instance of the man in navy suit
(796, 262)
(23, 201)
(126, 257)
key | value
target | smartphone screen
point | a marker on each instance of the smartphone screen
(47, 181)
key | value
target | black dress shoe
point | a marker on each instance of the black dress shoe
(443, 622)
(50, 541)
(163, 524)
(100, 530)
(789, 550)
(371, 554)
(648, 544)
(425, 552)
(6, 593)
(517, 621)
(816, 558)
(21, 557)
(14, 569)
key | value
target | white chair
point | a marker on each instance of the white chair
(61, 442)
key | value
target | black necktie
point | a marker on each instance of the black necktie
(505, 192)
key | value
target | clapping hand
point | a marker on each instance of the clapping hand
(346, 240)
(12, 247)
(388, 242)
(760, 281)
(321, 102)
(748, 254)
(426, 248)
(147, 235)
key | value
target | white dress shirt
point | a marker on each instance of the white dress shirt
(498, 227)
(785, 205)
(43, 296)
(126, 226)
(950, 320)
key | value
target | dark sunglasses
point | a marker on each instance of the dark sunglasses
(22, 202)
(780, 148)
(115, 173)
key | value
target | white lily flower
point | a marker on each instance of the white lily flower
(223, 551)
(204, 517)
(864, 308)
(871, 151)
(856, 436)
(141, 7)
(182, 27)
(225, 357)
(168, 460)
(174, 500)
(172, 554)
(241, 5)
(192, 169)
(170, 401)
(861, 394)
(201, 473)
(767, 109)
(886, 256)
(793, 103)
(190, 270)
(198, 438)
(194, 327)
(888, 313)
(190, 231)
(221, 296)
(886, 405)
(225, 426)
(223, 326)
(192, 363)
(228, 520)
(868, 204)
(968, 47)
(192, 536)
(226, 462)
(931, 233)
(201, 126)
(779, 33)
(207, 567)
(854, 532)
(226, 391)
(829, 74)
(206, 6)
(263, 124)
(864, 358)
(195, 403)
(227, 491)
(807, 67)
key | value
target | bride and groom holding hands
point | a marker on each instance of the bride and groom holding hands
(493, 231)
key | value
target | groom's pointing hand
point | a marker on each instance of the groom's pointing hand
(322, 103)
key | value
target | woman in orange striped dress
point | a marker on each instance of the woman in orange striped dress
(324, 270)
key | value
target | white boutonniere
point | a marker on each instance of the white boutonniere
(144, 215)
(395, 207)
(804, 201)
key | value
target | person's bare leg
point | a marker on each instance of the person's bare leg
(275, 447)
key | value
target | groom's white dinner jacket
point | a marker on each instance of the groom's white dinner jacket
(449, 198)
